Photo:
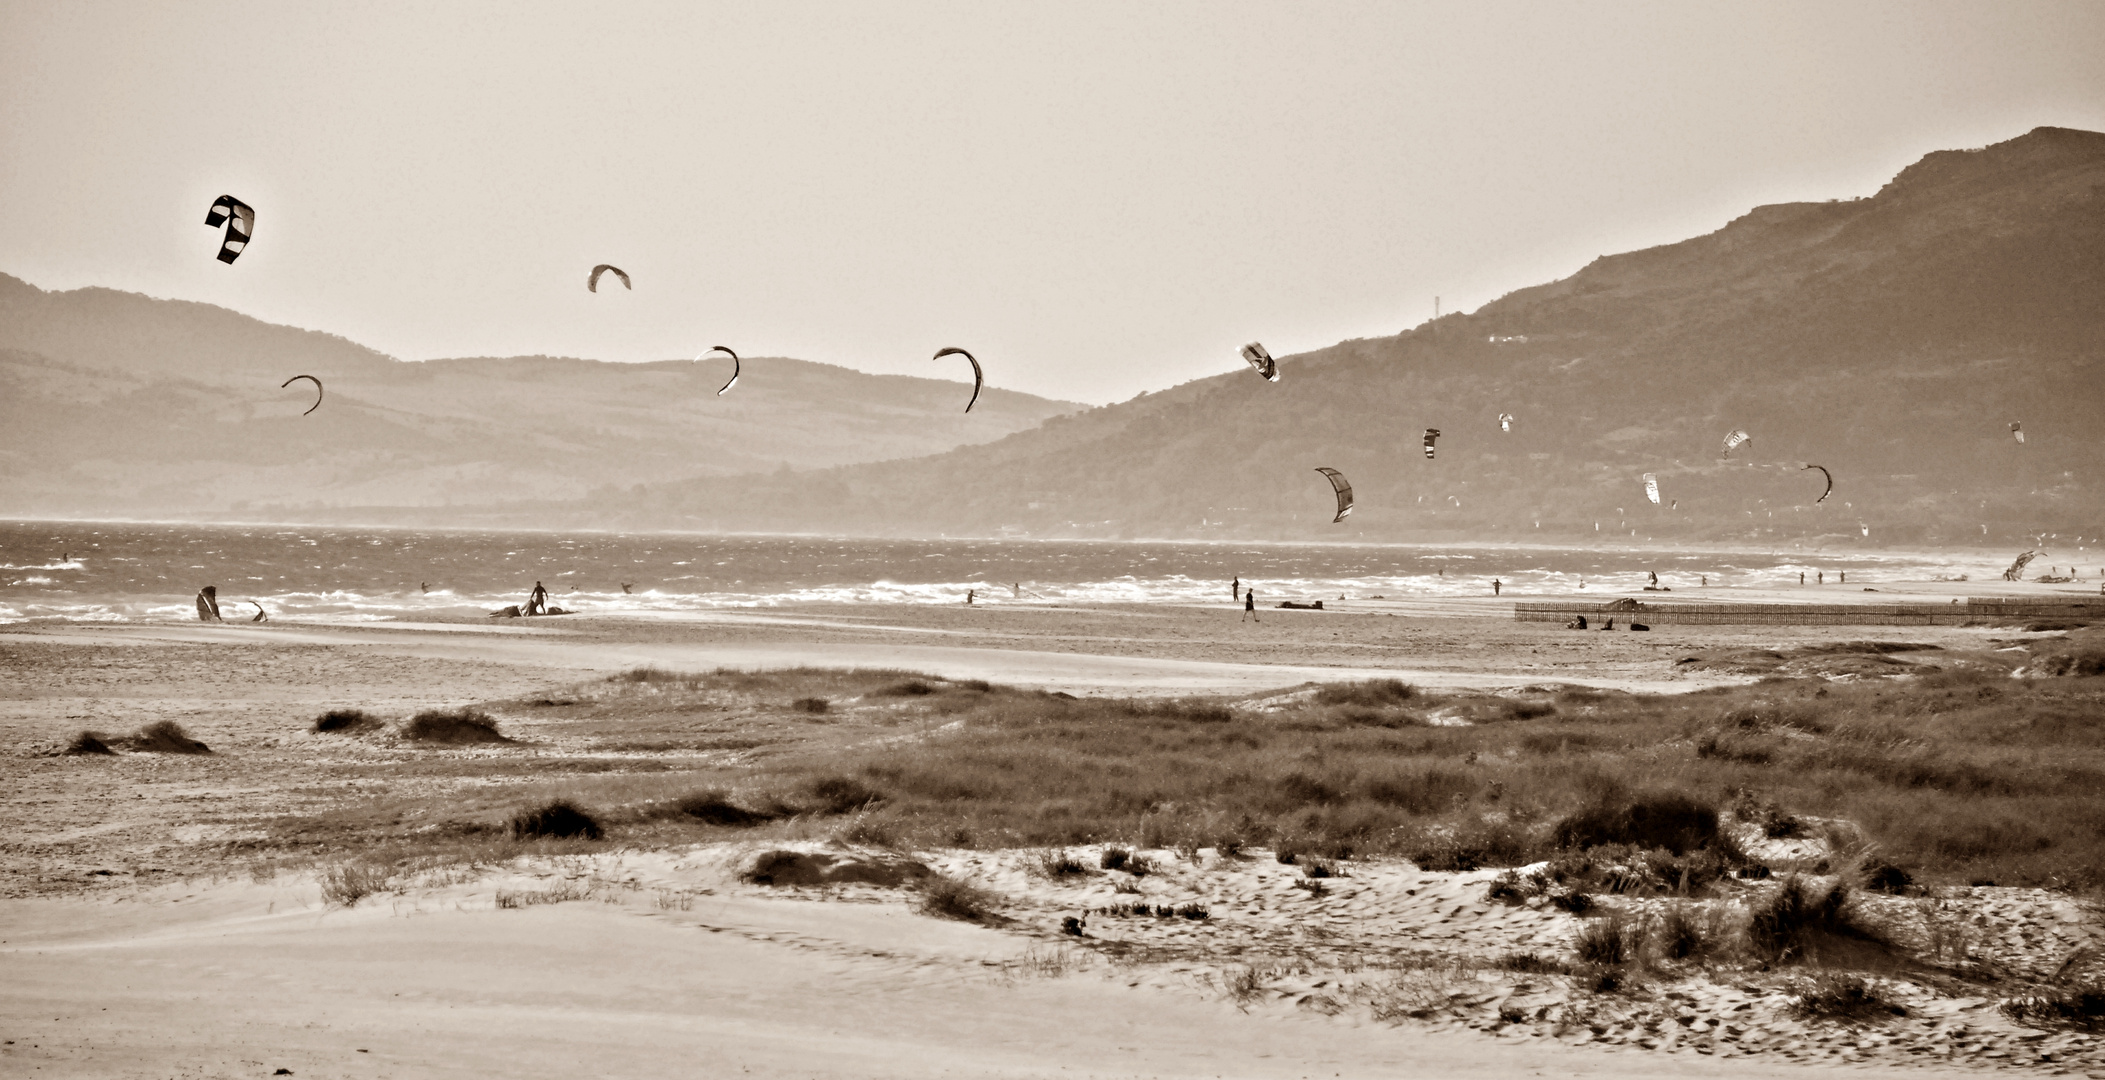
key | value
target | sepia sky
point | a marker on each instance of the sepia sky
(1097, 199)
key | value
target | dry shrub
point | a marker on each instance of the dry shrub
(2081, 1006)
(1114, 858)
(561, 819)
(1473, 845)
(906, 688)
(1800, 923)
(1532, 963)
(841, 794)
(949, 898)
(453, 727)
(1850, 999)
(346, 722)
(1057, 864)
(165, 737)
(811, 705)
(348, 883)
(88, 742)
(1608, 942)
(1669, 820)
(1373, 693)
(714, 807)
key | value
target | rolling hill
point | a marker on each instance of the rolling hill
(1893, 339)
(116, 404)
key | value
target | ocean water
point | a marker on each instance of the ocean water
(127, 572)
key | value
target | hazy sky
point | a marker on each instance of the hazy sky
(1097, 199)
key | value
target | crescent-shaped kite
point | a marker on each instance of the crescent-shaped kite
(1505, 421)
(592, 282)
(317, 390)
(1733, 441)
(240, 221)
(735, 366)
(1830, 483)
(1262, 361)
(979, 377)
(1343, 490)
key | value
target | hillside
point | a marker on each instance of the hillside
(117, 404)
(1892, 339)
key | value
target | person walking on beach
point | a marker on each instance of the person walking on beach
(538, 601)
(1496, 585)
(1250, 604)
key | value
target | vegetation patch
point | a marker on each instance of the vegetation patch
(1803, 923)
(557, 820)
(88, 742)
(949, 898)
(1670, 820)
(714, 807)
(453, 727)
(2081, 1007)
(165, 737)
(346, 722)
(1846, 998)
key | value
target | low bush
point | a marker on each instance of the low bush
(811, 705)
(1372, 693)
(1608, 942)
(1669, 820)
(1473, 845)
(165, 737)
(840, 794)
(88, 742)
(714, 807)
(561, 819)
(1681, 935)
(453, 727)
(1844, 997)
(348, 883)
(1114, 858)
(1884, 877)
(2081, 1007)
(1057, 864)
(949, 898)
(906, 688)
(346, 722)
(1799, 922)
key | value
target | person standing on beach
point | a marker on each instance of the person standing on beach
(1235, 588)
(969, 594)
(538, 601)
(1820, 577)
(1496, 585)
(1250, 604)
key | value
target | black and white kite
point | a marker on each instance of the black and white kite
(1343, 489)
(240, 221)
(1262, 361)
(979, 378)
(1432, 435)
(1733, 441)
(1505, 421)
(317, 390)
(1830, 483)
(2017, 431)
(592, 282)
(726, 350)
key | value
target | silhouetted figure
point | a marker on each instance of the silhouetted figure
(969, 594)
(1496, 585)
(424, 585)
(208, 604)
(1706, 581)
(1235, 588)
(1250, 604)
(1578, 622)
(1654, 575)
(1609, 625)
(1819, 577)
(1801, 577)
(537, 603)
(1845, 577)
(1016, 588)
(625, 591)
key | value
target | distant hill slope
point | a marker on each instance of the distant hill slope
(1892, 339)
(113, 403)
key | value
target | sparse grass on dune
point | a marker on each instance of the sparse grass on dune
(1954, 777)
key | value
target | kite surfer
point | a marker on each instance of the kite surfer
(969, 594)
(208, 604)
(536, 603)
(1496, 585)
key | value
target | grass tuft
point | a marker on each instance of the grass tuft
(346, 722)
(1057, 864)
(561, 819)
(165, 737)
(1800, 923)
(453, 727)
(1846, 998)
(949, 898)
(88, 742)
(2081, 1007)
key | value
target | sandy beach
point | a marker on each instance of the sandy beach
(150, 929)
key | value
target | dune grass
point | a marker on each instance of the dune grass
(453, 727)
(1954, 777)
(164, 737)
(346, 722)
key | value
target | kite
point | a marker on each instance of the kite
(240, 221)
(317, 390)
(1262, 361)
(1343, 488)
(1652, 488)
(2017, 431)
(979, 377)
(1505, 421)
(725, 349)
(1431, 434)
(592, 282)
(1733, 441)
(1830, 483)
